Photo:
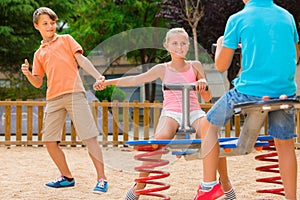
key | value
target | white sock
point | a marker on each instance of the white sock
(206, 186)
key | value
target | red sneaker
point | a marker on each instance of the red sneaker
(215, 193)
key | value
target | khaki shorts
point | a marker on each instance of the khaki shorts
(74, 104)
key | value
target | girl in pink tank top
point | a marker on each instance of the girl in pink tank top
(177, 71)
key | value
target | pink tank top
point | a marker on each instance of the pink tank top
(173, 98)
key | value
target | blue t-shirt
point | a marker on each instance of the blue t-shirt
(268, 36)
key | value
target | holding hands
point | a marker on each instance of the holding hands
(100, 83)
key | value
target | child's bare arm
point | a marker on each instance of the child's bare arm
(201, 83)
(88, 66)
(36, 81)
(152, 74)
(206, 94)
(223, 56)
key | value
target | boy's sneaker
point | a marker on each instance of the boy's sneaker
(61, 182)
(215, 193)
(101, 186)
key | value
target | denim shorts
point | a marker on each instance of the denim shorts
(196, 114)
(281, 123)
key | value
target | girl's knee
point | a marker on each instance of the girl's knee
(163, 137)
(52, 143)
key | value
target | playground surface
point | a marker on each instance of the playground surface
(24, 170)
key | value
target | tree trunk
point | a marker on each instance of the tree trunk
(194, 28)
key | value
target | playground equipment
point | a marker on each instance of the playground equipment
(274, 168)
(249, 139)
(152, 150)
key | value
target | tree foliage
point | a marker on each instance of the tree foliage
(16, 35)
(108, 18)
(91, 22)
(101, 19)
(110, 94)
(216, 13)
(19, 39)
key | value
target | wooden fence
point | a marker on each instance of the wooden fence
(21, 123)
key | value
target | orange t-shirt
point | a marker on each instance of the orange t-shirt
(56, 59)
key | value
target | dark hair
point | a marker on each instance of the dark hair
(43, 11)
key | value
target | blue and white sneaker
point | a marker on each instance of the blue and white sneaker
(61, 182)
(101, 186)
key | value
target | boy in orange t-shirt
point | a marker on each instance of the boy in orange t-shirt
(57, 57)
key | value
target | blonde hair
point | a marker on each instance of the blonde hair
(176, 31)
(44, 11)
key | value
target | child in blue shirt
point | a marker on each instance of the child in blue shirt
(269, 45)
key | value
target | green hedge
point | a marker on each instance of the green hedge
(110, 94)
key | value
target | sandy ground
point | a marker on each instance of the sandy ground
(24, 170)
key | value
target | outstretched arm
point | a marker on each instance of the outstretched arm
(151, 75)
(36, 81)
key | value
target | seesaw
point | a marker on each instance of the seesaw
(192, 146)
(249, 139)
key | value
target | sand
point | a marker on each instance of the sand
(24, 170)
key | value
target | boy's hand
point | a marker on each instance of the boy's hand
(25, 68)
(99, 84)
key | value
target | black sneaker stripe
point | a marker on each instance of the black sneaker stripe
(131, 196)
(230, 195)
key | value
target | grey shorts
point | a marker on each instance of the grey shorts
(74, 104)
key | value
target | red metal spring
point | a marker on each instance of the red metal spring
(269, 157)
(148, 167)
